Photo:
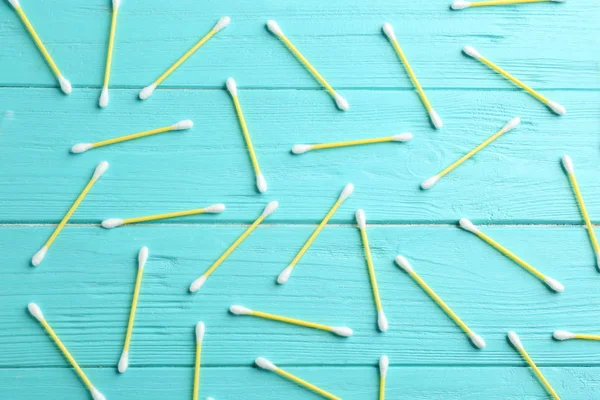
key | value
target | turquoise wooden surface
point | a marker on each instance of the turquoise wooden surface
(516, 187)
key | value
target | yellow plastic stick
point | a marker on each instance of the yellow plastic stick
(516, 342)
(103, 102)
(552, 283)
(429, 182)
(338, 330)
(303, 148)
(39, 256)
(115, 222)
(269, 366)
(475, 338)
(261, 183)
(568, 165)
(341, 103)
(142, 258)
(285, 274)
(197, 284)
(200, 329)
(148, 90)
(459, 4)
(383, 368)
(433, 116)
(65, 85)
(35, 310)
(564, 335)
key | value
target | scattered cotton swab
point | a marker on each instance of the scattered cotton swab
(269, 209)
(568, 166)
(475, 338)
(384, 364)
(35, 310)
(516, 342)
(39, 256)
(179, 126)
(564, 335)
(103, 102)
(285, 274)
(269, 366)
(115, 222)
(65, 85)
(200, 329)
(557, 108)
(361, 220)
(552, 283)
(460, 4)
(388, 29)
(341, 102)
(261, 183)
(338, 330)
(148, 90)
(303, 148)
(429, 182)
(124, 360)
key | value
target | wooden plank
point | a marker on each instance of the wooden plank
(516, 179)
(342, 39)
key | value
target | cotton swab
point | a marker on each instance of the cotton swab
(35, 310)
(555, 107)
(459, 4)
(475, 338)
(269, 366)
(303, 148)
(429, 182)
(552, 283)
(179, 126)
(384, 364)
(269, 209)
(115, 222)
(103, 102)
(433, 116)
(39, 256)
(564, 335)
(284, 276)
(124, 360)
(341, 102)
(200, 329)
(568, 166)
(261, 183)
(382, 321)
(338, 330)
(516, 342)
(148, 90)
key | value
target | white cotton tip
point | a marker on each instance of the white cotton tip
(265, 364)
(231, 87)
(435, 119)
(470, 51)
(301, 148)
(142, 257)
(100, 169)
(554, 285)
(123, 362)
(103, 102)
(14, 3)
(35, 310)
(382, 321)
(96, 395)
(388, 29)
(182, 125)
(429, 182)
(568, 164)
(274, 28)
(197, 284)
(240, 310)
(112, 223)
(512, 124)
(384, 364)
(558, 1)
(557, 108)
(361, 219)
(477, 340)
(563, 335)
(514, 339)
(348, 189)
(468, 225)
(402, 137)
(80, 148)
(39, 256)
(261, 183)
(284, 276)
(221, 23)
(116, 4)
(147, 91)
(270, 208)
(459, 5)
(341, 102)
(215, 209)
(200, 330)
(342, 331)
(598, 260)
(65, 85)
(403, 263)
